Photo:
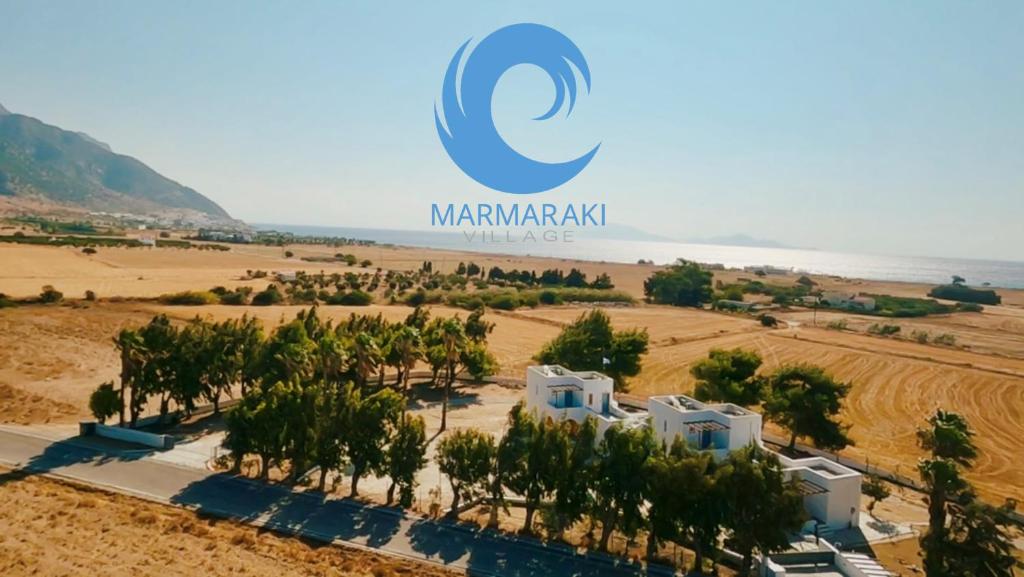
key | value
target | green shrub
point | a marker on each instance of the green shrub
(883, 330)
(355, 298)
(270, 296)
(969, 307)
(505, 302)
(189, 298)
(920, 337)
(945, 339)
(837, 325)
(50, 295)
(963, 293)
(104, 402)
(549, 297)
(768, 320)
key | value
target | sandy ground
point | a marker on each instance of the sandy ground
(51, 528)
(51, 357)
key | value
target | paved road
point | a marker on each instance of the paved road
(277, 507)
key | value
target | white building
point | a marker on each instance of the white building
(848, 301)
(831, 491)
(556, 392)
(719, 428)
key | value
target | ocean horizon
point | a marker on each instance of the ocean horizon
(917, 269)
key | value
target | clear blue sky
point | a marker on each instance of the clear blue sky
(888, 127)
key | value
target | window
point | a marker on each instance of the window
(665, 427)
(590, 399)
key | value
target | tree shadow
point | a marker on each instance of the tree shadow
(69, 453)
(279, 508)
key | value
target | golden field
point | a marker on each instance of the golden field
(52, 528)
(52, 356)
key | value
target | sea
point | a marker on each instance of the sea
(919, 269)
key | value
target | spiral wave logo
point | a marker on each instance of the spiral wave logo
(468, 132)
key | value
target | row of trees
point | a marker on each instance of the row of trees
(626, 482)
(204, 360)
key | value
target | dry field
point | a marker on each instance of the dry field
(52, 356)
(51, 528)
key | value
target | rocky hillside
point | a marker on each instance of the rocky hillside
(43, 162)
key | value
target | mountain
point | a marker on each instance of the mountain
(43, 162)
(738, 240)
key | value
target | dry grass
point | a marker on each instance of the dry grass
(52, 357)
(51, 528)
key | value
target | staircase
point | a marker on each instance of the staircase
(866, 566)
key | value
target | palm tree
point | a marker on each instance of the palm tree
(366, 355)
(407, 346)
(453, 336)
(129, 343)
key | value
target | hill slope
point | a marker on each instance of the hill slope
(45, 162)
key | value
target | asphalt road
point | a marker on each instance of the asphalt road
(278, 508)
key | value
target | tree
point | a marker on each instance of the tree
(104, 402)
(875, 489)
(805, 400)
(373, 420)
(407, 348)
(573, 498)
(979, 542)
(586, 344)
(760, 507)
(366, 357)
(50, 295)
(729, 376)
(683, 284)
(949, 440)
(332, 416)
(575, 279)
(453, 342)
(129, 345)
(478, 361)
(619, 489)
(465, 457)
(405, 456)
(529, 457)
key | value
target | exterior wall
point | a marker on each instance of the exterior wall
(839, 508)
(670, 421)
(134, 436)
(588, 401)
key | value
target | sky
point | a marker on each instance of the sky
(872, 127)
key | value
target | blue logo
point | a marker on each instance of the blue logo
(468, 132)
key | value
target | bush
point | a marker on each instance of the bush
(239, 296)
(50, 295)
(189, 298)
(902, 307)
(270, 296)
(966, 294)
(837, 325)
(549, 297)
(88, 250)
(969, 307)
(945, 339)
(883, 330)
(355, 298)
(366, 263)
(104, 402)
(506, 302)
(768, 320)
(921, 337)
(288, 254)
(90, 296)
